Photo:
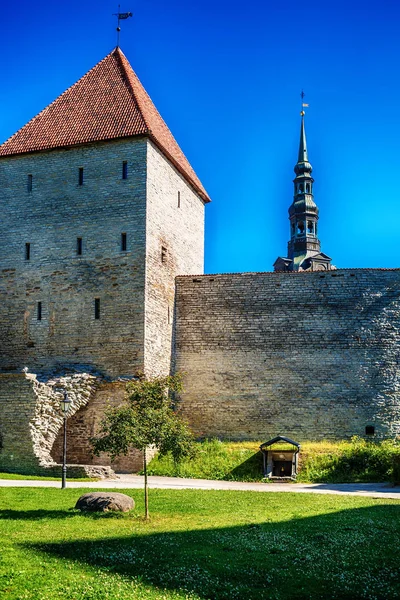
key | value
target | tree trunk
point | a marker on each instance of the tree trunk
(146, 491)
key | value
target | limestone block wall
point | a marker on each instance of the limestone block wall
(308, 355)
(30, 416)
(50, 217)
(175, 223)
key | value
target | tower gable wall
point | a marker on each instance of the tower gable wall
(50, 218)
(175, 246)
(307, 355)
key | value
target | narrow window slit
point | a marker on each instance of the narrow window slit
(27, 251)
(164, 253)
(79, 246)
(30, 182)
(123, 242)
(39, 311)
(125, 170)
(80, 176)
(97, 308)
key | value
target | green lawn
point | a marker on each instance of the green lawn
(198, 545)
(18, 476)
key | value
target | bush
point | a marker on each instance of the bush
(358, 461)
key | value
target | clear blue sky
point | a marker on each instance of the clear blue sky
(226, 76)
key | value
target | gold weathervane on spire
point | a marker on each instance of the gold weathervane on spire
(303, 104)
(120, 17)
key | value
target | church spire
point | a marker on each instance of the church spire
(304, 247)
(303, 156)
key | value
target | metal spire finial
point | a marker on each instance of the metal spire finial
(120, 17)
(303, 157)
(303, 104)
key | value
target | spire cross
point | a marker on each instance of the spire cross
(120, 16)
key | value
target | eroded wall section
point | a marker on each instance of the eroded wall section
(31, 417)
(31, 423)
(85, 424)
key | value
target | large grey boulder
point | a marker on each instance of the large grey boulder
(105, 501)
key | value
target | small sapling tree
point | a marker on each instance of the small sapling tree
(147, 418)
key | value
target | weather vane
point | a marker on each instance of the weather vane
(120, 17)
(303, 104)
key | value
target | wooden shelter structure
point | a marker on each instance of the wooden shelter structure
(280, 463)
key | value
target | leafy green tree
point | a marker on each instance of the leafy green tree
(147, 418)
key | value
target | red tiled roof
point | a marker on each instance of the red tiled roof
(108, 102)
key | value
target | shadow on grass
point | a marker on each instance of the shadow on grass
(42, 514)
(249, 470)
(347, 554)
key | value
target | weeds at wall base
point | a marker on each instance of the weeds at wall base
(355, 461)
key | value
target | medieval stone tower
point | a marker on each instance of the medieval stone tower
(100, 211)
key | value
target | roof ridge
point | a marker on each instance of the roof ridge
(129, 74)
(126, 68)
(120, 56)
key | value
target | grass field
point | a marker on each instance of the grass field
(17, 476)
(199, 545)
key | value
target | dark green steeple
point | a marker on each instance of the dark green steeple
(303, 213)
(304, 247)
(303, 156)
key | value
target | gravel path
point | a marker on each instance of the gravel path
(374, 490)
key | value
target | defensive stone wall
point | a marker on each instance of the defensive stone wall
(308, 355)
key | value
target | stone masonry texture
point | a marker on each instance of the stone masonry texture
(135, 287)
(50, 219)
(48, 296)
(307, 355)
(175, 221)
